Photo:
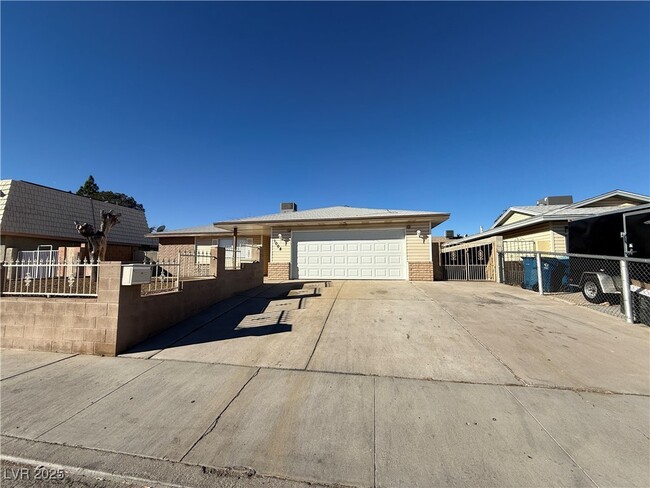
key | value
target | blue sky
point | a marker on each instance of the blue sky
(209, 111)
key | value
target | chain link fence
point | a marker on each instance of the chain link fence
(613, 285)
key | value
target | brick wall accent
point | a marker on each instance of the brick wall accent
(169, 247)
(421, 271)
(119, 317)
(279, 271)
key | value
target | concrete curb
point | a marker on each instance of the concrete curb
(116, 466)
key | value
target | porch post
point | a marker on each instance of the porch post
(234, 248)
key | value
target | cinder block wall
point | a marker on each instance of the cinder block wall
(65, 324)
(142, 317)
(119, 317)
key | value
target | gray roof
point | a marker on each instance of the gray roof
(571, 209)
(337, 213)
(536, 209)
(34, 210)
(563, 216)
(189, 231)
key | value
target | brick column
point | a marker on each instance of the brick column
(421, 271)
(279, 271)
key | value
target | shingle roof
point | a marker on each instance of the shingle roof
(31, 209)
(536, 209)
(571, 209)
(334, 213)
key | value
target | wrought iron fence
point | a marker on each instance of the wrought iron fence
(51, 278)
(469, 262)
(165, 277)
(194, 264)
(613, 285)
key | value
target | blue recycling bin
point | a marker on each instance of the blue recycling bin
(555, 274)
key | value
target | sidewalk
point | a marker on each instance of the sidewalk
(191, 423)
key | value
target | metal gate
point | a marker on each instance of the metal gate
(475, 261)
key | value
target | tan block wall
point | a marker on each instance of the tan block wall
(142, 317)
(279, 271)
(65, 324)
(421, 271)
(119, 317)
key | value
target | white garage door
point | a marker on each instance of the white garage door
(350, 254)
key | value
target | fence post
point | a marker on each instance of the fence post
(625, 290)
(538, 258)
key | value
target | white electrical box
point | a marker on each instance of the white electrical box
(136, 274)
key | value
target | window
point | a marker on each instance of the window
(244, 246)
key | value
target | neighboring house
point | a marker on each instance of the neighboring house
(34, 217)
(543, 227)
(344, 242)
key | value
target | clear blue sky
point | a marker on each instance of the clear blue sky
(208, 111)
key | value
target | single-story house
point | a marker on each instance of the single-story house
(322, 243)
(344, 242)
(35, 217)
(544, 227)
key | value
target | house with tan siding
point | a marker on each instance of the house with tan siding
(346, 242)
(543, 227)
(326, 243)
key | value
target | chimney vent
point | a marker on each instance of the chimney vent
(288, 207)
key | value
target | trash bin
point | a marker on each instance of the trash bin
(555, 274)
(530, 273)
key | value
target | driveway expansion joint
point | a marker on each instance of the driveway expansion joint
(98, 400)
(329, 312)
(39, 367)
(213, 425)
(551, 436)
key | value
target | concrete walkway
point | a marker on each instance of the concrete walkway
(351, 383)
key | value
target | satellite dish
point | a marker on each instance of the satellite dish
(160, 228)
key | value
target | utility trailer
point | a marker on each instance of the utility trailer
(623, 233)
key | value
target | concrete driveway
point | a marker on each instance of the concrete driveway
(448, 331)
(355, 384)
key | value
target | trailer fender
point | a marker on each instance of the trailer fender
(606, 282)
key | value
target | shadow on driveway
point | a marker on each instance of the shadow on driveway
(259, 312)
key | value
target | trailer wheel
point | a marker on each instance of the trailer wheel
(592, 292)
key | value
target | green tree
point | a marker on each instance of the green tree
(91, 189)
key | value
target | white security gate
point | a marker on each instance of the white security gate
(473, 261)
(349, 254)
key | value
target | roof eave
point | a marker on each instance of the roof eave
(438, 217)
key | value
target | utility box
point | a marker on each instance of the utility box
(136, 274)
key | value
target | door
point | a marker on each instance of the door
(375, 254)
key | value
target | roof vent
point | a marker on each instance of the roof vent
(559, 200)
(288, 207)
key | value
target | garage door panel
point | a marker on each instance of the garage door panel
(373, 254)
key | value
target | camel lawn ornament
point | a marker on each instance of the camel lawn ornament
(97, 240)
